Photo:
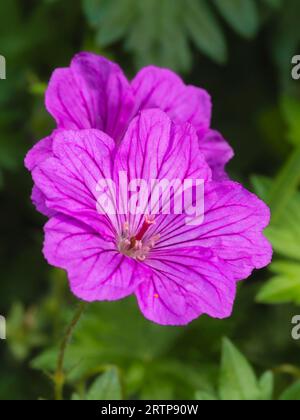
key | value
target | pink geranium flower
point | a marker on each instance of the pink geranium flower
(177, 271)
(94, 93)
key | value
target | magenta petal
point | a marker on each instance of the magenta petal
(96, 270)
(185, 284)
(233, 227)
(39, 201)
(217, 153)
(69, 179)
(161, 88)
(92, 93)
(234, 223)
(156, 148)
(40, 152)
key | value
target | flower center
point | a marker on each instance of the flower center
(136, 246)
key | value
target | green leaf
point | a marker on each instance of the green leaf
(285, 233)
(38, 88)
(291, 111)
(285, 237)
(274, 4)
(284, 240)
(283, 288)
(106, 387)
(108, 14)
(46, 361)
(237, 379)
(105, 336)
(173, 46)
(205, 30)
(241, 15)
(205, 396)
(292, 393)
(97, 11)
(76, 397)
(266, 385)
(261, 185)
(182, 373)
(285, 185)
(158, 35)
(158, 31)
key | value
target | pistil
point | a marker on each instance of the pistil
(149, 221)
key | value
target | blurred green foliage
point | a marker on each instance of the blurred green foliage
(159, 30)
(240, 50)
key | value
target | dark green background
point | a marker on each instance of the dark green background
(241, 53)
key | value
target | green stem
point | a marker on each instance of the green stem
(285, 185)
(288, 370)
(59, 377)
